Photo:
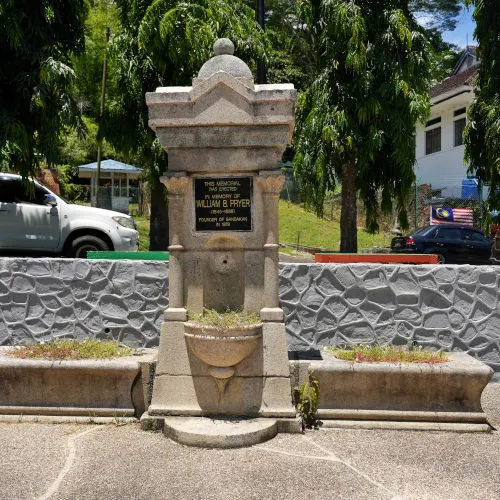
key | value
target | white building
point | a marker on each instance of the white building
(439, 143)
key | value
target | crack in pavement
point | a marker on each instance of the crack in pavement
(331, 457)
(54, 487)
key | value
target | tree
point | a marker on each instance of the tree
(165, 42)
(438, 14)
(444, 56)
(289, 55)
(356, 122)
(102, 14)
(482, 133)
(36, 80)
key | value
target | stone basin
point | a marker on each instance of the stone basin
(222, 348)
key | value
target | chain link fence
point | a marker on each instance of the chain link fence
(125, 200)
(464, 194)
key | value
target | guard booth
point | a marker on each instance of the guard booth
(119, 184)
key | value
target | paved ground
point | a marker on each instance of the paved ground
(70, 461)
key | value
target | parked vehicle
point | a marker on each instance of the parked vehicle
(35, 220)
(453, 244)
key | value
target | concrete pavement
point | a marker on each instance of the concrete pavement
(74, 461)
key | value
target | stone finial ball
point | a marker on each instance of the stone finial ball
(223, 46)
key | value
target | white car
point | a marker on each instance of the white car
(36, 220)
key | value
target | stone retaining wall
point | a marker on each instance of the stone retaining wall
(446, 307)
(45, 298)
(449, 307)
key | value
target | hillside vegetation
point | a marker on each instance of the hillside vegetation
(314, 232)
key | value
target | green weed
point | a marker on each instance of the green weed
(73, 349)
(389, 354)
(306, 397)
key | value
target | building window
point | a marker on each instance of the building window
(433, 121)
(459, 131)
(459, 112)
(433, 140)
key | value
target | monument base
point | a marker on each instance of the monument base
(260, 387)
(220, 432)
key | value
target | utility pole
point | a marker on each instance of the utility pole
(261, 68)
(101, 115)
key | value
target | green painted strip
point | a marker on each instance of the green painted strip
(129, 255)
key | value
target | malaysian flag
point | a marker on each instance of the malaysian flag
(444, 215)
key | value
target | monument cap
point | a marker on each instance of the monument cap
(224, 60)
(223, 46)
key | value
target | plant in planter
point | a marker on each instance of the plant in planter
(75, 378)
(366, 384)
(65, 349)
(222, 340)
(362, 353)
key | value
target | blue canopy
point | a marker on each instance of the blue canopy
(110, 166)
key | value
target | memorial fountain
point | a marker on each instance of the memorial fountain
(224, 136)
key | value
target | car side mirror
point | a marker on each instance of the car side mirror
(50, 199)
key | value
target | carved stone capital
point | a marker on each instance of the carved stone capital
(271, 183)
(175, 184)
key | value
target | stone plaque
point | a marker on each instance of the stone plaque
(223, 204)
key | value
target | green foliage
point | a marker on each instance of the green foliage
(482, 133)
(179, 35)
(363, 353)
(163, 43)
(88, 65)
(444, 56)
(71, 192)
(306, 397)
(78, 150)
(61, 349)
(36, 80)
(224, 320)
(290, 58)
(361, 110)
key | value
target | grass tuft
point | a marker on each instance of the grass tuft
(224, 320)
(73, 349)
(387, 354)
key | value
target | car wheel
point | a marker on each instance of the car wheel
(83, 244)
(441, 259)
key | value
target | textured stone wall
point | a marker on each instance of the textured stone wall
(45, 298)
(449, 307)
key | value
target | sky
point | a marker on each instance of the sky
(463, 33)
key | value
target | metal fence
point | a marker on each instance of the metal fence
(464, 194)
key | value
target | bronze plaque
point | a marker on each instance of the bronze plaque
(223, 204)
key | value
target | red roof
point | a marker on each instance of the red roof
(466, 77)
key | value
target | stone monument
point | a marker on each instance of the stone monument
(224, 137)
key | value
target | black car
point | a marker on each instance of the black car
(453, 244)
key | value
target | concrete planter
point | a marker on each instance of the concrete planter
(97, 389)
(423, 396)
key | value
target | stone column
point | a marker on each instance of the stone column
(271, 183)
(176, 185)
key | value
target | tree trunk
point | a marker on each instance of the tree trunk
(349, 211)
(158, 223)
